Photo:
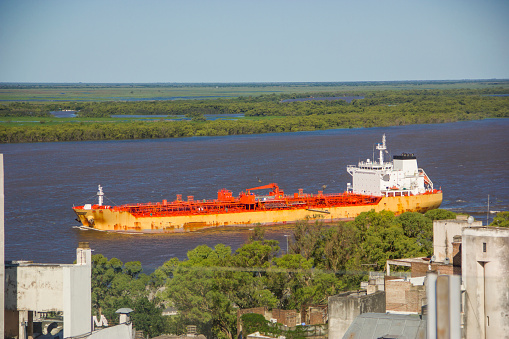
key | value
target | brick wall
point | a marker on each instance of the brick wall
(420, 269)
(395, 295)
(316, 317)
(402, 296)
(314, 314)
(289, 318)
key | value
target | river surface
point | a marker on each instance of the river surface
(468, 160)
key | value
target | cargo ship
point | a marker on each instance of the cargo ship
(398, 186)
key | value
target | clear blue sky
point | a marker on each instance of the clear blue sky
(252, 41)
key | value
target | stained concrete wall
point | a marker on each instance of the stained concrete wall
(485, 272)
(77, 304)
(34, 287)
(344, 308)
(443, 236)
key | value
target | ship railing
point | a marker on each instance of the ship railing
(214, 206)
(191, 211)
(94, 207)
(310, 200)
(428, 184)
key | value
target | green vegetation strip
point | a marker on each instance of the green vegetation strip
(31, 122)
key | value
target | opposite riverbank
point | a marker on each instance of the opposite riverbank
(266, 113)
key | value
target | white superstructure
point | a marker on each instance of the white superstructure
(401, 177)
(100, 195)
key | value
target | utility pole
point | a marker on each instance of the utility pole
(2, 241)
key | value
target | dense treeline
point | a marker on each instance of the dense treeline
(382, 108)
(209, 287)
(23, 109)
(175, 129)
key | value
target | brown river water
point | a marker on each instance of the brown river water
(468, 160)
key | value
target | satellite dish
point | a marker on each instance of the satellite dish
(446, 261)
(470, 219)
(433, 258)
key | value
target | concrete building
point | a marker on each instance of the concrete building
(462, 248)
(63, 288)
(345, 307)
(376, 282)
(444, 232)
(485, 272)
(446, 257)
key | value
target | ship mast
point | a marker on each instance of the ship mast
(100, 195)
(381, 147)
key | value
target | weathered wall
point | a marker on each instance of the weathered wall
(313, 314)
(443, 236)
(485, 260)
(289, 318)
(34, 287)
(316, 317)
(404, 296)
(420, 269)
(77, 296)
(344, 308)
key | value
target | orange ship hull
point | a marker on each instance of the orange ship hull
(247, 210)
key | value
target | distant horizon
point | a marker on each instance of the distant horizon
(258, 82)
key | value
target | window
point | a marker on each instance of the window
(484, 247)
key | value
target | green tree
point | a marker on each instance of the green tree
(501, 219)
(201, 290)
(289, 273)
(440, 214)
(308, 239)
(116, 285)
(382, 237)
(147, 317)
(418, 226)
(256, 253)
(253, 322)
(341, 248)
